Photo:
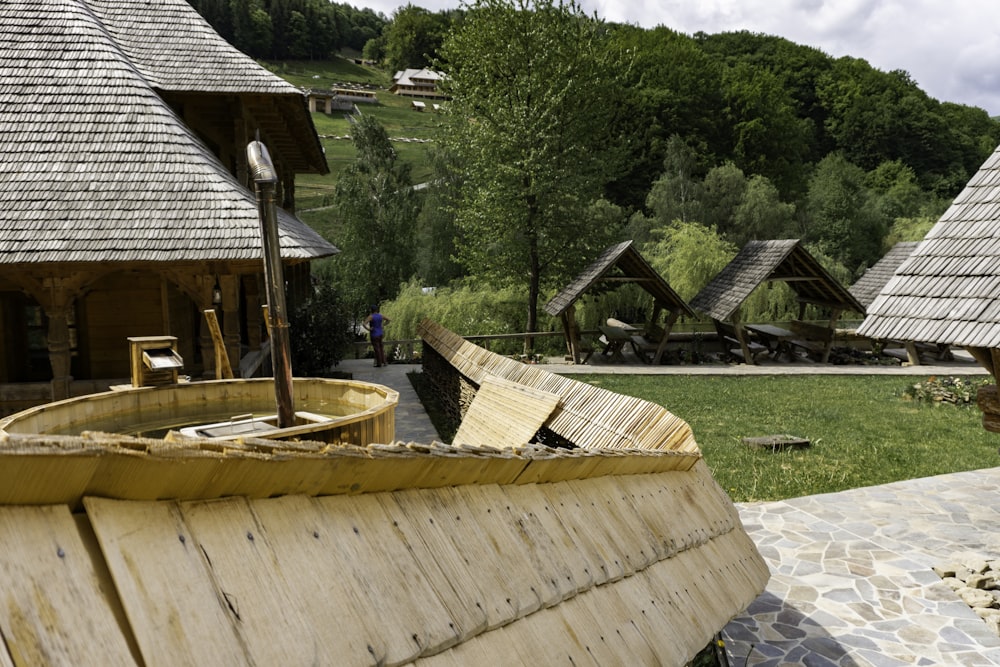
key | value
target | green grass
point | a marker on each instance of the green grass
(863, 430)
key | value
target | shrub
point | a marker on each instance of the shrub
(320, 333)
(955, 390)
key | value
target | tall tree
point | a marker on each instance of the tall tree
(378, 210)
(413, 38)
(844, 221)
(533, 106)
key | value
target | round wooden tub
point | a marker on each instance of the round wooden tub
(326, 410)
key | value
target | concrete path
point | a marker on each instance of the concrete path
(851, 583)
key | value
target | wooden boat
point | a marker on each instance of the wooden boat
(615, 547)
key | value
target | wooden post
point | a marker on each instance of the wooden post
(230, 316)
(222, 368)
(834, 316)
(59, 352)
(667, 326)
(741, 337)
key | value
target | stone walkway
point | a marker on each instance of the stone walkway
(851, 582)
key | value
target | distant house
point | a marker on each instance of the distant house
(416, 105)
(126, 210)
(417, 83)
(338, 99)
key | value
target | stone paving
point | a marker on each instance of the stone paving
(852, 581)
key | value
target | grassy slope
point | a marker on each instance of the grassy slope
(863, 431)
(315, 192)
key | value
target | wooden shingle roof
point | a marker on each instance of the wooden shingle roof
(946, 292)
(761, 261)
(874, 279)
(97, 167)
(620, 263)
(177, 51)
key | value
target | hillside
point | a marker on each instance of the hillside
(394, 113)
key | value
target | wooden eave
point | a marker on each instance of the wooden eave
(763, 261)
(620, 263)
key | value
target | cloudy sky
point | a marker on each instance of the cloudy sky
(951, 49)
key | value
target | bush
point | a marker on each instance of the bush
(954, 390)
(320, 333)
(467, 310)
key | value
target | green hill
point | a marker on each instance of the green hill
(403, 125)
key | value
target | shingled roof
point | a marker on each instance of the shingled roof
(946, 292)
(97, 166)
(761, 261)
(631, 267)
(874, 279)
(157, 35)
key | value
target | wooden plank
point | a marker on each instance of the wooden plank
(527, 582)
(242, 564)
(409, 618)
(176, 613)
(504, 414)
(555, 555)
(55, 610)
(339, 618)
(461, 601)
(599, 555)
(439, 515)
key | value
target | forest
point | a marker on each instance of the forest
(565, 133)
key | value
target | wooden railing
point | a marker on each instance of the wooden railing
(408, 346)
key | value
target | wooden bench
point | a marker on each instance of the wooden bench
(728, 338)
(814, 339)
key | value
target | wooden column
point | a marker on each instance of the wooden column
(59, 351)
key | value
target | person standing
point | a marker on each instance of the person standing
(374, 324)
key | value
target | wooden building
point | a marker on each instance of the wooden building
(125, 208)
(619, 550)
(945, 293)
(785, 261)
(619, 265)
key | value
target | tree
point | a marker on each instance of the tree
(677, 193)
(844, 221)
(413, 38)
(378, 209)
(531, 130)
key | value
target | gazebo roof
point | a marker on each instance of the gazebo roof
(97, 166)
(946, 292)
(874, 279)
(761, 261)
(620, 263)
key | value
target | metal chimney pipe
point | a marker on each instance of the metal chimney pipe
(265, 180)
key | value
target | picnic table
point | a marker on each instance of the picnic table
(777, 339)
(616, 338)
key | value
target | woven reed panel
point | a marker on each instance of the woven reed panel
(565, 573)
(588, 416)
(504, 414)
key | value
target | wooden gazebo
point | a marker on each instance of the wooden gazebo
(946, 291)
(125, 209)
(764, 261)
(867, 289)
(620, 264)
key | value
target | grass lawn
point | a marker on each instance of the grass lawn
(863, 430)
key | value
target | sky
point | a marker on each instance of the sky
(950, 48)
